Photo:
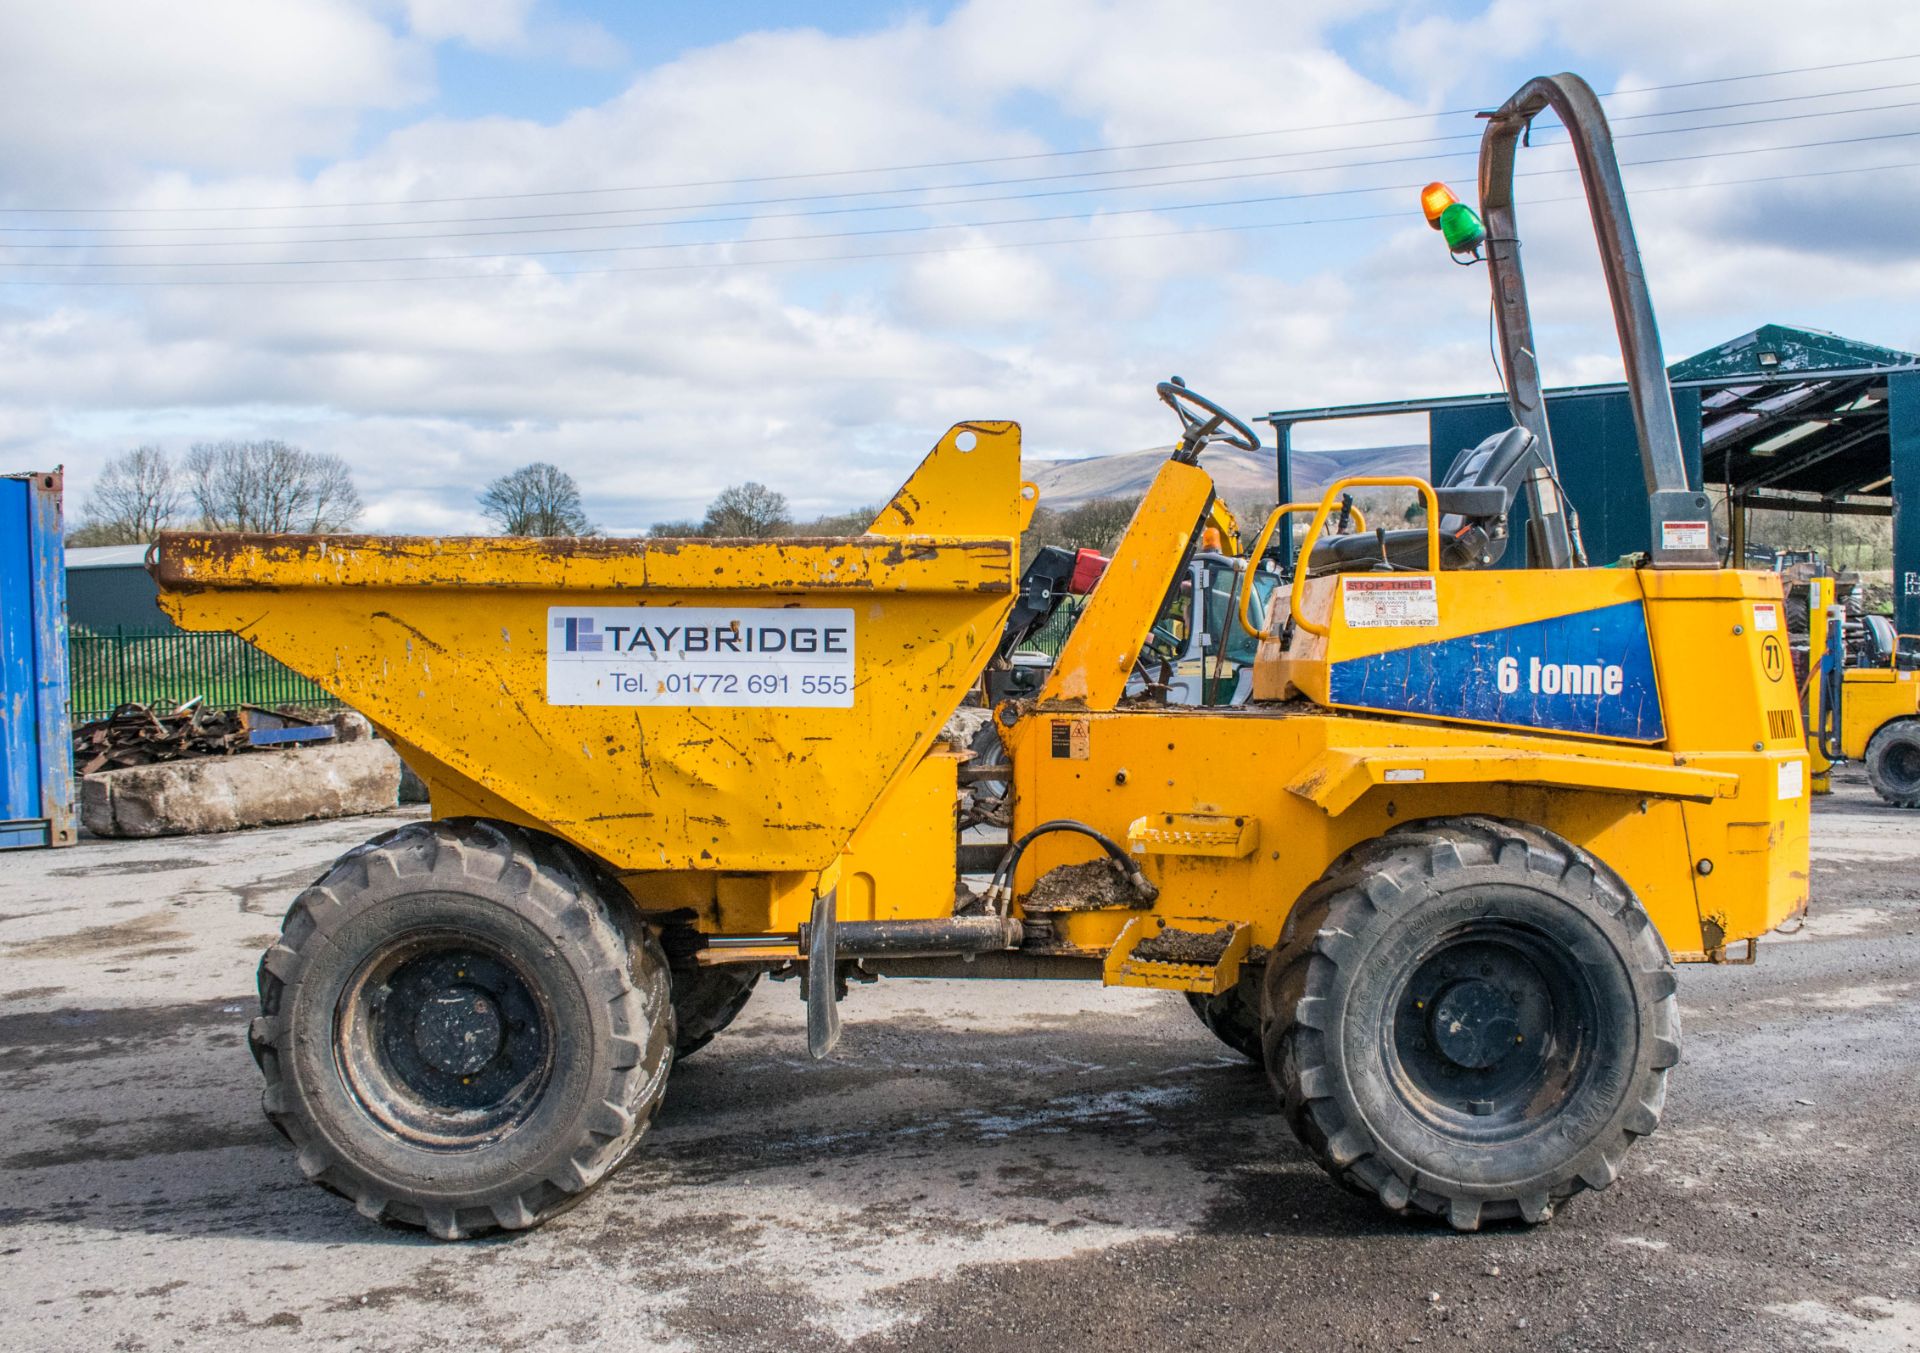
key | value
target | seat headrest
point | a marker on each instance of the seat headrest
(1492, 461)
(1475, 502)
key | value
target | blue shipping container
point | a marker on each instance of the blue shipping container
(36, 745)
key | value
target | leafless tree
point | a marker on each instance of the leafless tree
(748, 510)
(271, 487)
(838, 523)
(1042, 530)
(135, 498)
(1097, 525)
(536, 500)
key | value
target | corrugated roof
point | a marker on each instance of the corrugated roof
(1796, 411)
(1778, 349)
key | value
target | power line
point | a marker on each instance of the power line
(913, 229)
(879, 192)
(728, 264)
(937, 164)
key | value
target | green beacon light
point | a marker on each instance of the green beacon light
(1458, 224)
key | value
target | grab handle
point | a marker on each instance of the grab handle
(1319, 520)
(1244, 613)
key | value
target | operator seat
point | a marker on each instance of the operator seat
(1474, 497)
(1879, 644)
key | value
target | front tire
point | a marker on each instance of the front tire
(1233, 1016)
(463, 1027)
(1893, 762)
(1470, 1019)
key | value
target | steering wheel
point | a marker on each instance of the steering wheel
(1198, 432)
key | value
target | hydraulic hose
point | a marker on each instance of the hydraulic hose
(999, 894)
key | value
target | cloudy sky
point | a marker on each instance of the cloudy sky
(672, 247)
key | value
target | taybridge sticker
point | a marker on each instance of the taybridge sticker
(1589, 672)
(681, 656)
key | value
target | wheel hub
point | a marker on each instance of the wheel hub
(458, 1030)
(444, 1041)
(1903, 761)
(1488, 1028)
(1474, 1024)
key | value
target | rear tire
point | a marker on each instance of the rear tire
(1893, 762)
(1233, 1016)
(707, 1000)
(1471, 1019)
(463, 1027)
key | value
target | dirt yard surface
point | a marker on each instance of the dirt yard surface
(1038, 1165)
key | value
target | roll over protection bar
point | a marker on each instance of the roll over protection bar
(1670, 500)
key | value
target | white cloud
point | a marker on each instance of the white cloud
(990, 290)
(512, 27)
(658, 388)
(89, 88)
(490, 25)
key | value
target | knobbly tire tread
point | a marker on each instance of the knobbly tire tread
(581, 911)
(1233, 1016)
(707, 1000)
(1891, 789)
(1304, 967)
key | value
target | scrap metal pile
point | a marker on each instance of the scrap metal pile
(133, 735)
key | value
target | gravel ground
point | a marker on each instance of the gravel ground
(1002, 1165)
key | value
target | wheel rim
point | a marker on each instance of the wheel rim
(1492, 1031)
(444, 1040)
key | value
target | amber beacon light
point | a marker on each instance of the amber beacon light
(1457, 223)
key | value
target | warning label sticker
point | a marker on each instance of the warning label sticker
(1685, 535)
(1766, 617)
(1389, 603)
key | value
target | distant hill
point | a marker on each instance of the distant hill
(1245, 478)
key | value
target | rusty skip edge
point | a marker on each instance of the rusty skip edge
(192, 561)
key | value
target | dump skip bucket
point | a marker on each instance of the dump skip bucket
(665, 704)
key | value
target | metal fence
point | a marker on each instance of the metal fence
(169, 668)
(1052, 636)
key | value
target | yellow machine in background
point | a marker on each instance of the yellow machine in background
(1434, 876)
(1860, 712)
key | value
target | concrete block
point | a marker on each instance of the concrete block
(253, 789)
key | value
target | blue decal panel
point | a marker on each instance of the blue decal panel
(1589, 672)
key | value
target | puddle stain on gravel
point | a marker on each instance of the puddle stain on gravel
(41, 1037)
(158, 864)
(137, 938)
(271, 896)
(176, 1134)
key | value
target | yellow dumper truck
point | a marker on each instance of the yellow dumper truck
(1861, 698)
(1435, 875)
